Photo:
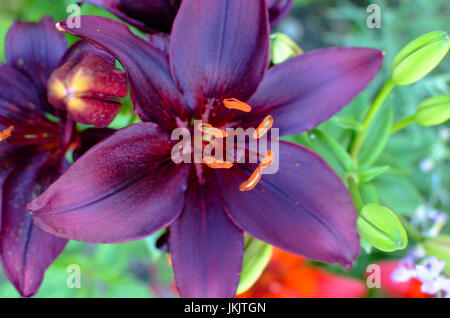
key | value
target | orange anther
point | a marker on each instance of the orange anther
(6, 133)
(216, 163)
(210, 130)
(233, 103)
(264, 127)
(252, 181)
(268, 159)
(169, 260)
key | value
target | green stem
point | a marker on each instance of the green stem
(374, 108)
(402, 124)
(412, 232)
(354, 192)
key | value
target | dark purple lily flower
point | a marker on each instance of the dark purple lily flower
(32, 153)
(153, 16)
(127, 186)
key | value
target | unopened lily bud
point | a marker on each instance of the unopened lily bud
(433, 111)
(419, 57)
(90, 90)
(439, 247)
(381, 228)
(283, 48)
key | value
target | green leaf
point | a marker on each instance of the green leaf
(302, 139)
(347, 123)
(4, 27)
(333, 147)
(367, 175)
(398, 193)
(381, 228)
(368, 193)
(256, 257)
(439, 247)
(376, 137)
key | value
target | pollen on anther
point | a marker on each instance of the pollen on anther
(210, 130)
(216, 163)
(264, 127)
(267, 160)
(297, 164)
(58, 27)
(6, 133)
(252, 181)
(233, 103)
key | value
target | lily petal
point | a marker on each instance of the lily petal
(154, 93)
(149, 16)
(25, 250)
(19, 103)
(35, 49)
(157, 15)
(89, 138)
(278, 9)
(219, 49)
(206, 247)
(124, 188)
(304, 208)
(82, 49)
(308, 89)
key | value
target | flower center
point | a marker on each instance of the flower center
(209, 131)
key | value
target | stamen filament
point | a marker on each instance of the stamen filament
(233, 103)
(216, 163)
(252, 180)
(264, 127)
(268, 160)
(6, 133)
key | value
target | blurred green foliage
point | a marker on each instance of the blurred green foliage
(418, 156)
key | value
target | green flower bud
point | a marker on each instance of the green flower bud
(439, 247)
(433, 111)
(419, 57)
(283, 48)
(381, 228)
(256, 257)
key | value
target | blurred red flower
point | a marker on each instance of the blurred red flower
(290, 276)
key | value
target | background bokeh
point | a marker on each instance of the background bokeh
(419, 180)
